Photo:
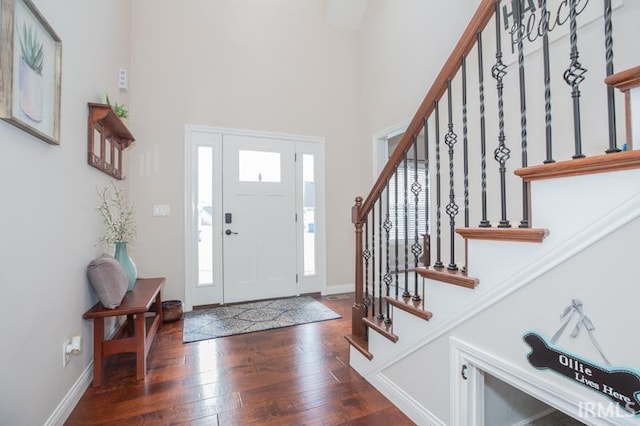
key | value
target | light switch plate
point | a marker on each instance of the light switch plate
(123, 82)
(161, 210)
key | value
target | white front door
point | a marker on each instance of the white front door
(259, 218)
(244, 192)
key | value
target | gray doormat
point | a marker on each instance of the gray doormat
(203, 324)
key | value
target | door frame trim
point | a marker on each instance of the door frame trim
(379, 145)
(467, 396)
(190, 209)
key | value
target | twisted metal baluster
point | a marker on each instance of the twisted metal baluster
(484, 223)
(438, 263)
(416, 248)
(465, 142)
(450, 140)
(387, 276)
(395, 206)
(366, 255)
(611, 106)
(547, 83)
(380, 314)
(406, 229)
(573, 76)
(502, 153)
(373, 260)
(524, 223)
(427, 230)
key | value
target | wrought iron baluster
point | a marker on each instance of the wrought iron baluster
(611, 106)
(397, 241)
(373, 260)
(547, 83)
(427, 247)
(406, 228)
(438, 263)
(387, 229)
(380, 314)
(416, 189)
(366, 255)
(524, 223)
(465, 142)
(573, 76)
(484, 223)
(502, 153)
(450, 140)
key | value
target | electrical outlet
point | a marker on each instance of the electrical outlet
(66, 358)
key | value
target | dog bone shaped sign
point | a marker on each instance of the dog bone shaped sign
(620, 385)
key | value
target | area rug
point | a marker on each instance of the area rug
(203, 324)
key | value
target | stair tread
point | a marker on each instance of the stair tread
(527, 235)
(582, 166)
(409, 305)
(456, 277)
(379, 325)
(360, 344)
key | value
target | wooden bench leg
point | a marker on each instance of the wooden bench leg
(98, 338)
(141, 359)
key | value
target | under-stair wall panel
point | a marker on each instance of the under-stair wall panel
(609, 297)
(591, 260)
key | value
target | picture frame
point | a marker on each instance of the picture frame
(30, 70)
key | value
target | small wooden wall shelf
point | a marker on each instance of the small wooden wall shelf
(108, 137)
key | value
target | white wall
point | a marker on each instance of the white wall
(49, 225)
(267, 66)
(403, 46)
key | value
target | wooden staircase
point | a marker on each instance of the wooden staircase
(376, 218)
(605, 164)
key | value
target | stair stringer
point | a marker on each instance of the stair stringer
(572, 237)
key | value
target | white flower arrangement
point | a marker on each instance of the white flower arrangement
(117, 215)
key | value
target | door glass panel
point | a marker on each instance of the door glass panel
(205, 215)
(309, 207)
(259, 166)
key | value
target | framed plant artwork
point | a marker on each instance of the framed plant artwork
(30, 68)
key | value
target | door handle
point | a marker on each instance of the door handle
(229, 232)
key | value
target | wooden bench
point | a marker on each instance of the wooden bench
(138, 332)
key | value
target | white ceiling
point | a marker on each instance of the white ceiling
(345, 14)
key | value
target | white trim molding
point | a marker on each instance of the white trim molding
(409, 406)
(379, 143)
(467, 395)
(71, 399)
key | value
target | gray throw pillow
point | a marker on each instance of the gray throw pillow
(108, 280)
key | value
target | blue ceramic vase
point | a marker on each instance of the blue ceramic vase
(129, 267)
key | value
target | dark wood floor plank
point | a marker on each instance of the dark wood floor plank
(289, 376)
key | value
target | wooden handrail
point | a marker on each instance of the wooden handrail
(468, 40)
(625, 80)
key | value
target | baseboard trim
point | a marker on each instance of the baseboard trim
(401, 399)
(339, 288)
(71, 399)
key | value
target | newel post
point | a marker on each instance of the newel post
(358, 309)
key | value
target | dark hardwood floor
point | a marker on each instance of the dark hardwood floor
(290, 376)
